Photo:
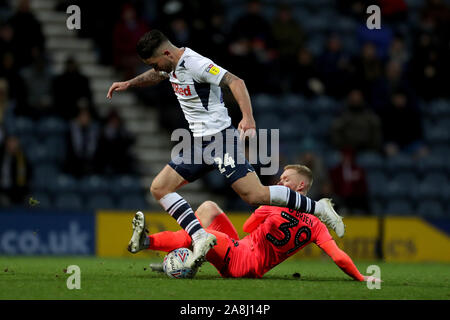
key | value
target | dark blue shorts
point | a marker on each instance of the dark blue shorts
(222, 151)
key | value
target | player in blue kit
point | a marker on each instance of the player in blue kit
(197, 82)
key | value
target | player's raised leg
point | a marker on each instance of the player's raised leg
(163, 189)
(251, 190)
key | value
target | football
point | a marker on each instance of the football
(176, 264)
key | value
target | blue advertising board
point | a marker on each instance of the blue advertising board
(47, 233)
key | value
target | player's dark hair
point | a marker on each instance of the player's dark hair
(149, 42)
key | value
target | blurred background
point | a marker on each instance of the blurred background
(367, 110)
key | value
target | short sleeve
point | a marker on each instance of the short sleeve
(206, 71)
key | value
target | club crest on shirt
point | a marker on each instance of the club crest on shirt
(213, 69)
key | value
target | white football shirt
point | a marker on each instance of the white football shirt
(195, 82)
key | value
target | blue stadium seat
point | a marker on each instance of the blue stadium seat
(428, 190)
(133, 202)
(65, 184)
(268, 121)
(438, 108)
(37, 154)
(345, 25)
(44, 176)
(370, 161)
(264, 102)
(407, 181)
(430, 209)
(396, 189)
(56, 147)
(377, 181)
(431, 163)
(94, 184)
(100, 201)
(399, 163)
(437, 135)
(293, 104)
(23, 125)
(70, 201)
(51, 126)
(125, 184)
(399, 207)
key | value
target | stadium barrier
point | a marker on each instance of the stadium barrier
(35, 232)
(106, 234)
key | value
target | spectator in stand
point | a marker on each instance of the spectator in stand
(429, 67)
(252, 24)
(350, 185)
(253, 29)
(333, 66)
(358, 127)
(393, 80)
(367, 68)
(114, 146)
(38, 83)
(27, 34)
(82, 145)
(398, 51)
(14, 173)
(16, 84)
(306, 78)
(288, 36)
(69, 88)
(127, 33)
(402, 127)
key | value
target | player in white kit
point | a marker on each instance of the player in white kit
(197, 82)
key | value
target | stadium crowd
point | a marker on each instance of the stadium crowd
(364, 109)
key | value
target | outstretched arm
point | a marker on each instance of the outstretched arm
(341, 259)
(148, 78)
(240, 93)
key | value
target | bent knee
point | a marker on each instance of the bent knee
(209, 208)
(157, 190)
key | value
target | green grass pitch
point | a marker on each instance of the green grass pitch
(101, 278)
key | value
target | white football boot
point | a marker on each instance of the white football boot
(201, 247)
(330, 217)
(136, 243)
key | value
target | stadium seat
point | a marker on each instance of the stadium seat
(399, 163)
(94, 184)
(37, 153)
(68, 201)
(133, 202)
(100, 201)
(65, 184)
(23, 125)
(125, 184)
(268, 121)
(431, 163)
(377, 182)
(399, 207)
(370, 161)
(430, 209)
(264, 102)
(294, 102)
(439, 108)
(396, 189)
(51, 126)
(56, 147)
(428, 190)
(44, 175)
(407, 181)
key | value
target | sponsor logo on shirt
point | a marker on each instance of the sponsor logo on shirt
(181, 91)
(213, 69)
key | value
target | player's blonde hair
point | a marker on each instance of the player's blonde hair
(304, 171)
